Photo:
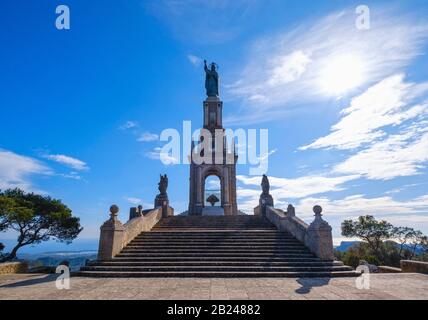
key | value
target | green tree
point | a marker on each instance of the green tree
(403, 235)
(368, 229)
(35, 218)
(417, 240)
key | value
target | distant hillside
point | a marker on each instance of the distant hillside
(76, 259)
(345, 245)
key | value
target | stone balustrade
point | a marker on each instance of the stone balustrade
(115, 235)
(317, 236)
(411, 266)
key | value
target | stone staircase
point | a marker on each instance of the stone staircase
(215, 246)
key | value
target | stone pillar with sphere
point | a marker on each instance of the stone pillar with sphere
(319, 237)
(111, 236)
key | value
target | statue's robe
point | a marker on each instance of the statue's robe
(211, 83)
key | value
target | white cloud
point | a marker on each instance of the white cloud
(68, 161)
(165, 158)
(212, 184)
(148, 137)
(357, 205)
(412, 213)
(16, 170)
(283, 188)
(289, 68)
(399, 155)
(195, 60)
(388, 103)
(329, 58)
(134, 201)
(72, 175)
(129, 125)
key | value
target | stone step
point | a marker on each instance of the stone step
(140, 245)
(149, 242)
(206, 230)
(232, 259)
(215, 249)
(179, 255)
(218, 274)
(213, 236)
(216, 230)
(205, 225)
(204, 219)
(216, 268)
(216, 246)
(214, 263)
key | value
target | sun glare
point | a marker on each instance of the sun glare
(341, 74)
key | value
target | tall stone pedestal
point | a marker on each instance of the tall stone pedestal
(221, 163)
(111, 236)
(319, 237)
(161, 201)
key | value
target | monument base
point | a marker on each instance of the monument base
(212, 211)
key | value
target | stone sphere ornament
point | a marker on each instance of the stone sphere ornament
(317, 210)
(114, 209)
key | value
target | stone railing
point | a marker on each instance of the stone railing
(410, 266)
(316, 237)
(115, 236)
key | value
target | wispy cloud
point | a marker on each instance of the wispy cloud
(388, 103)
(283, 188)
(213, 184)
(195, 60)
(134, 201)
(148, 137)
(68, 161)
(204, 22)
(72, 175)
(326, 59)
(399, 155)
(165, 158)
(357, 205)
(16, 170)
(129, 125)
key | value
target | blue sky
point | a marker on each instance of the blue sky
(346, 109)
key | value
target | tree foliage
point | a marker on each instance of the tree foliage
(368, 229)
(35, 218)
(383, 243)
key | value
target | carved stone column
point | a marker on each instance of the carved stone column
(111, 236)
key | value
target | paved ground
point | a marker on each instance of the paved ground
(382, 286)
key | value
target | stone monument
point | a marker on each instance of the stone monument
(161, 200)
(265, 199)
(224, 169)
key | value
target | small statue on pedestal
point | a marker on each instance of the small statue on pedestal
(162, 198)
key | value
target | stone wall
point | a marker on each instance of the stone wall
(386, 269)
(137, 225)
(13, 267)
(115, 235)
(316, 237)
(411, 266)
